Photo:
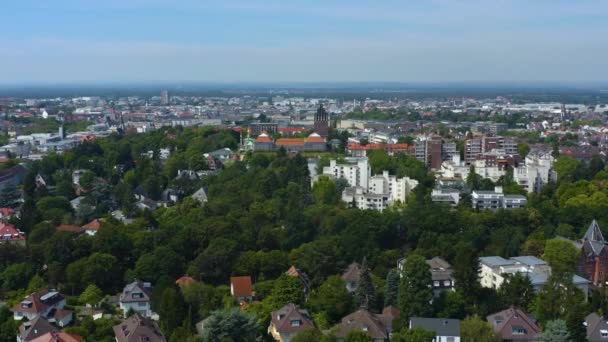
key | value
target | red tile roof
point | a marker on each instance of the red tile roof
(8, 232)
(289, 142)
(7, 211)
(293, 271)
(93, 225)
(315, 138)
(241, 286)
(184, 281)
(263, 138)
(58, 337)
(69, 228)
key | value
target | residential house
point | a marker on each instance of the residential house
(241, 289)
(514, 325)
(378, 327)
(136, 296)
(46, 303)
(10, 234)
(200, 195)
(92, 227)
(288, 321)
(597, 328)
(494, 271)
(58, 337)
(446, 330)
(351, 277)
(35, 328)
(441, 274)
(495, 200)
(138, 329)
(223, 154)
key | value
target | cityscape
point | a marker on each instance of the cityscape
(289, 172)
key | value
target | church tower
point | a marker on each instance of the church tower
(322, 122)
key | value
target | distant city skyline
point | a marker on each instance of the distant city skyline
(303, 41)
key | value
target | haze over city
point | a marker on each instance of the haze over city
(303, 41)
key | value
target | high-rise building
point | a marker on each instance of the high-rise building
(322, 122)
(164, 97)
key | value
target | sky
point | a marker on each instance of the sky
(231, 41)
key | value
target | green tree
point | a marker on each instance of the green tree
(286, 289)
(9, 195)
(561, 255)
(523, 149)
(414, 335)
(415, 292)
(466, 272)
(555, 331)
(476, 329)
(324, 191)
(391, 289)
(365, 294)
(230, 325)
(565, 167)
(91, 295)
(332, 299)
(171, 310)
(517, 290)
(356, 336)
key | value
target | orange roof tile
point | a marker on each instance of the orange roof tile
(241, 286)
(289, 142)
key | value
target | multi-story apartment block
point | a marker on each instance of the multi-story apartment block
(495, 270)
(495, 200)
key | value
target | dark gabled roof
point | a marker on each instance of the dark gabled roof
(34, 328)
(136, 287)
(282, 319)
(594, 233)
(503, 323)
(352, 273)
(136, 329)
(362, 320)
(595, 325)
(441, 326)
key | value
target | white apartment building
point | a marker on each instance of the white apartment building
(366, 191)
(537, 171)
(495, 200)
(356, 171)
(494, 271)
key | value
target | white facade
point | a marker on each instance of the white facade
(397, 189)
(537, 172)
(494, 269)
(356, 171)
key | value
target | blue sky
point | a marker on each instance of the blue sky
(308, 41)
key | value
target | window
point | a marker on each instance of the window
(447, 283)
(436, 283)
(141, 304)
(517, 330)
(450, 339)
(296, 323)
(604, 333)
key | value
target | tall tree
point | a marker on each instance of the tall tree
(476, 329)
(391, 289)
(555, 331)
(365, 295)
(415, 292)
(230, 325)
(561, 255)
(517, 290)
(466, 272)
(171, 310)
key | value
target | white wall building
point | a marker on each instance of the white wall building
(494, 271)
(369, 192)
(537, 171)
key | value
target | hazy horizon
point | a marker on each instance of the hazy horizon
(272, 41)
